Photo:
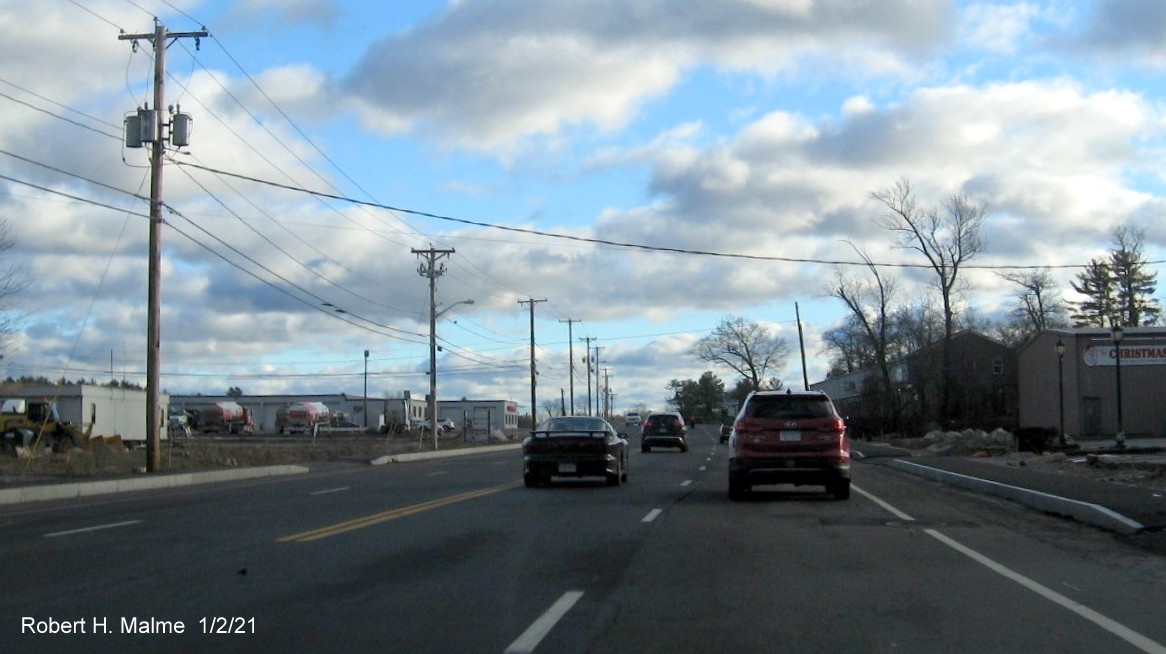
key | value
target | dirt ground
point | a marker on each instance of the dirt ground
(1144, 470)
(204, 453)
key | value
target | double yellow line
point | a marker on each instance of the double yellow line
(378, 518)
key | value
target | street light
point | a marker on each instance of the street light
(434, 314)
(1118, 335)
(1061, 386)
(366, 390)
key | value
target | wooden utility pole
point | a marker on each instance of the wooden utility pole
(571, 356)
(597, 393)
(588, 340)
(533, 368)
(155, 416)
(431, 269)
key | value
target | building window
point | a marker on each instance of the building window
(998, 366)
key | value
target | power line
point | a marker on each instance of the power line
(626, 245)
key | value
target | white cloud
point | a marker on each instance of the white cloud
(489, 72)
(997, 27)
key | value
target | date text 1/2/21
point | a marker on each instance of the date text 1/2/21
(226, 625)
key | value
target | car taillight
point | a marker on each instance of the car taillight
(747, 425)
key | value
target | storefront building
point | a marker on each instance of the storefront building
(1087, 371)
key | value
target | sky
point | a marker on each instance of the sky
(642, 169)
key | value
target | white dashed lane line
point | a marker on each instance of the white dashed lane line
(535, 633)
(83, 530)
(652, 515)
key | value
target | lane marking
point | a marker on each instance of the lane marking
(686, 482)
(385, 516)
(703, 468)
(330, 490)
(83, 530)
(437, 473)
(1112, 626)
(535, 633)
(652, 515)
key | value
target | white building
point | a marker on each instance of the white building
(112, 411)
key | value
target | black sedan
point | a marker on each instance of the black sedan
(574, 446)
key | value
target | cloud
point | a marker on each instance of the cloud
(486, 73)
(1118, 29)
(999, 28)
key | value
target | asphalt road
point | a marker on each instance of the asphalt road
(454, 555)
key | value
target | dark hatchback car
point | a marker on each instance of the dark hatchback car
(664, 430)
(574, 446)
(788, 437)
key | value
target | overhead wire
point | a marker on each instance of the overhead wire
(639, 246)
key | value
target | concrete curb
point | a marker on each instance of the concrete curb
(89, 488)
(441, 454)
(1092, 514)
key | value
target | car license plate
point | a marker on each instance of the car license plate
(567, 468)
(789, 435)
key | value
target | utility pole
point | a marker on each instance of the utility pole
(802, 347)
(588, 339)
(606, 394)
(431, 269)
(533, 369)
(571, 357)
(147, 126)
(597, 394)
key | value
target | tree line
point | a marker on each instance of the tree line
(882, 327)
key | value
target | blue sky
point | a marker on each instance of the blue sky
(743, 127)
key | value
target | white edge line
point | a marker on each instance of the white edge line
(1112, 626)
(97, 528)
(652, 515)
(1116, 628)
(535, 633)
(330, 490)
(890, 509)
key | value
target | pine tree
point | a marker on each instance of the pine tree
(1135, 285)
(1099, 286)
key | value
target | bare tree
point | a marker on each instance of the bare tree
(752, 350)
(13, 281)
(948, 237)
(1039, 305)
(869, 302)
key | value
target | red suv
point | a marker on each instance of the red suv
(789, 437)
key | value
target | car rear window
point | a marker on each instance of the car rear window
(788, 407)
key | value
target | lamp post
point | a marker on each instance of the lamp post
(1061, 387)
(366, 390)
(434, 314)
(1118, 334)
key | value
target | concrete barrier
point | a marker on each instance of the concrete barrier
(46, 492)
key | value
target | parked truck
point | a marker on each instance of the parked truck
(394, 419)
(223, 416)
(36, 424)
(304, 417)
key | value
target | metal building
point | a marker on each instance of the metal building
(113, 411)
(1079, 368)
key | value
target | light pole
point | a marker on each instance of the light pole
(1061, 386)
(434, 314)
(366, 390)
(1118, 335)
